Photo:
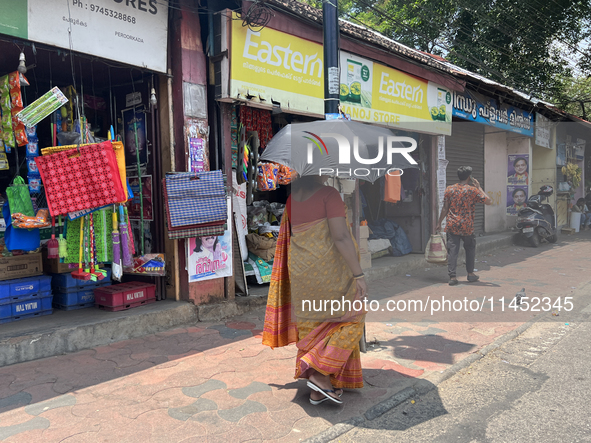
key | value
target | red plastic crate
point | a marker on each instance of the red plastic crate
(124, 294)
(127, 306)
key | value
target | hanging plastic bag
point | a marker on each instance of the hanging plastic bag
(267, 177)
(436, 251)
(19, 199)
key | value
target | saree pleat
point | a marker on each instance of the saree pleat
(309, 268)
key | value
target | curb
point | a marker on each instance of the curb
(420, 387)
(77, 338)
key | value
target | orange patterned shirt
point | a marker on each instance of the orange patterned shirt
(462, 200)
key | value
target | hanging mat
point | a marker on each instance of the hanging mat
(83, 178)
(119, 154)
(195, 198)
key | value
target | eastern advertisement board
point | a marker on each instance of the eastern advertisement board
(374, 93)
(133, 32)
(273, 67)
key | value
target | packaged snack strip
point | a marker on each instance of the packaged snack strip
(31, 131)
(4, 84)
(16, 98)
(34, 183)
(32, 148)
(20, 135)
(14, 80)
(5, 102)
(8, 137)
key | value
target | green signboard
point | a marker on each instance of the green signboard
(13, 18)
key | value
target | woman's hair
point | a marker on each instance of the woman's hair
(519, 158)
(198, 243)
(581, 201)
(516, 191)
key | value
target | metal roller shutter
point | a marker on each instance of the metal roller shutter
(465, 147)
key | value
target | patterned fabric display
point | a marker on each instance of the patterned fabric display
(74, 182)
(195, 198)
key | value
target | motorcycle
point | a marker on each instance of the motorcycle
(537, 221)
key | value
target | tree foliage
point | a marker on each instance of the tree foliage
(531, 45)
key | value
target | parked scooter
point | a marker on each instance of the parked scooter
(537, 221)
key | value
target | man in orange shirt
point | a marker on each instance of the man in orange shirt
(459, 203)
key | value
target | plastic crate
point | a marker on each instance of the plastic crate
(30, 305)
(127, 306)
(20, 288)
(124, 294)
(76, 300)
(23, 317)
(66, 283)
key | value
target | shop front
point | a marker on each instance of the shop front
(496, 140)
(71, 100)
(273, 77)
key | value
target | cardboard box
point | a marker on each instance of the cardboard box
(20, 266)
(363, 246)
(53, 265)
(363, 231)
(365, 261)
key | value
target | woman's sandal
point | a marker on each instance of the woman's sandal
(317, 402)
(324, 392)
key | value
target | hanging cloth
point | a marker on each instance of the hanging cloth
(392, 189)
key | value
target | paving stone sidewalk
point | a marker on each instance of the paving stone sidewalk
(215, 382)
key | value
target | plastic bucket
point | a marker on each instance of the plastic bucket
(575, 221)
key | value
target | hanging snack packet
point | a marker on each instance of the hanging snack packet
(32, 166)
(32, 148)
(34, 183)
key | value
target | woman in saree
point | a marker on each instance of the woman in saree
(316, 267)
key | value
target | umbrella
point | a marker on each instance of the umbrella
(117, 265)
(341, 148)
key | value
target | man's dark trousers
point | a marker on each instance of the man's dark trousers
(453, 249)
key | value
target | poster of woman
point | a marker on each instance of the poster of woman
(210, 256)
(516, 199)
(518, 170)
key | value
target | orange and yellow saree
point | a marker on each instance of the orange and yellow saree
(308, 274)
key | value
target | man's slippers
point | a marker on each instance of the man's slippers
(324, 392)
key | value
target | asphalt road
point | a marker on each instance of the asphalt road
(534, 388)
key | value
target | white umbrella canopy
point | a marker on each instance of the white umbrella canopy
(341, 148)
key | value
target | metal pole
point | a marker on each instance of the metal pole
(330, 23)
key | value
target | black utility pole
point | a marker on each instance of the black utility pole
(330, 22)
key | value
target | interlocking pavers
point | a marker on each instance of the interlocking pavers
(199, 390)
(252, 388)
(14, 401)
(58, 402)
(22, 428)
(185, 412)
(235, 414)
(229, 333)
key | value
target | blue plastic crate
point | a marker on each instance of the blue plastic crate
(85, 297)
(64, 283)
(25, 305)
(73, 307)
(36, 303)
(25, 316)
(19, 288)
